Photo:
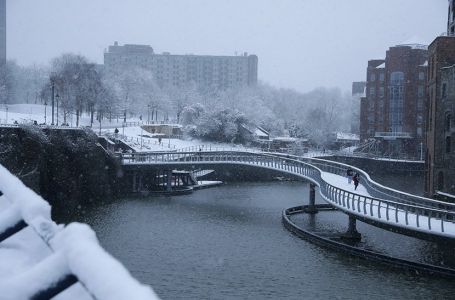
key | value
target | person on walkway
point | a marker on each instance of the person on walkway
(356, 179)
(349, 174)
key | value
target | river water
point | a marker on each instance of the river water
(228, 243)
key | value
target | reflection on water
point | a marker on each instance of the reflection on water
(228, 242)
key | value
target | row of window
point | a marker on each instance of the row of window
(421, 76)
(397, 91)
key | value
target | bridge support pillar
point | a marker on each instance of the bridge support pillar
(352, 233)
(311, 208)
(168, 180)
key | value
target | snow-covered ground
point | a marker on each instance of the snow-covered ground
(143, 141)
(28, 113)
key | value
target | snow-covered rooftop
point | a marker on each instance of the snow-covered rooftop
(381, 66)
(347, 136)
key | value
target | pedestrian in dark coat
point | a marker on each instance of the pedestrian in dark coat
(356, 180)
(349, 174)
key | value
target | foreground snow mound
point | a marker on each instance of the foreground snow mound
(38, 257)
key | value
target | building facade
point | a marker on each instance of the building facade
(440, 131)
(2, 31)
(358, 91)
(207, 72)
(451, 18)
(393, 109)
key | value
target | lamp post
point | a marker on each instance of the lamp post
(141, 137)
(57, 97)
(52, 99)
(45, 112)
(148, 113)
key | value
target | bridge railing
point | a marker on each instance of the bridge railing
(378, 190)
(379, 205)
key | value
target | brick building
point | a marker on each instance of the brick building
(207, 72)
(440, 132)
(393, 109)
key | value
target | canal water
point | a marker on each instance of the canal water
(228, 243)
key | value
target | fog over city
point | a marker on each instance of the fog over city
(301, 44)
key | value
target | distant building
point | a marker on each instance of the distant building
(339, 140)
(393, 109)
(451, 18)
(358, 91)
(2, 32)
(440, 132)
(207, 72)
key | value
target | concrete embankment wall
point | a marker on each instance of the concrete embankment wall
(65, 166)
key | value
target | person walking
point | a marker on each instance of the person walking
(356, 180)
(349, 174)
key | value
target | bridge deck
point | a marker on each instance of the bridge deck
(397, 217)
(372, 203)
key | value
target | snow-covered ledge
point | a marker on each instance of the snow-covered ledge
(72, 250)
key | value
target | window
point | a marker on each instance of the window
(420, 91)
(381, 76)
(373, 77)
(440, 181)
(421, 76)
(420, 104)
(419, 131)
(381, 92)
(372, 92)
(448, 122)
(444, 90)
(448, 144)
(419, 119)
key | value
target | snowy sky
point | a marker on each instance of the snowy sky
(301, 44)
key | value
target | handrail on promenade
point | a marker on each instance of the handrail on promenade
(412, 211)
(74, 252)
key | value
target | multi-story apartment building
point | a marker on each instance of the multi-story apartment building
(207, 72)
(393, 110)
(2, 32)
(440, 131)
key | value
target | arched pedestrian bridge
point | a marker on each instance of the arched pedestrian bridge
(380, 206)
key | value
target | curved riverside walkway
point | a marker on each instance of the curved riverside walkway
(378, 205)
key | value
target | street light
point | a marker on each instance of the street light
(57, 97)
(45, 111)
(52, 99)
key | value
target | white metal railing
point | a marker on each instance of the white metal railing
(76, 255)
(385, 205)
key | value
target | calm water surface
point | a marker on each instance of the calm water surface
(228, 243)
